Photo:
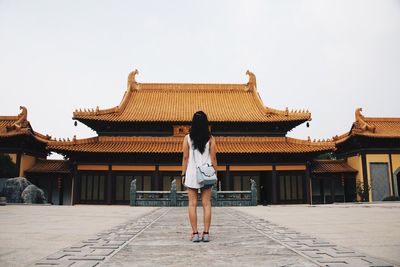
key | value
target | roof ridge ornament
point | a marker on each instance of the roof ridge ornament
(360, 124)
(22, 121)
(132, 83)
(252, 83)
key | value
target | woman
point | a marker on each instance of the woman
(198, 148)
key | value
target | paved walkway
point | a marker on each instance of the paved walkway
(160, 238)
(369, 228)
(31, 232)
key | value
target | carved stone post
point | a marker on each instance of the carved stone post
(253, 192)
(133, 193)
(172, 195)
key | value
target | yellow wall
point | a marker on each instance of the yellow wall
(396, 162)
(396, 168)
(356, 163)
(26, 163)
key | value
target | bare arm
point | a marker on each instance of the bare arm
(213, 153)
(185, 157)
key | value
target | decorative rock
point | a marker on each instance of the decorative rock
(13, 188)
(33, 194)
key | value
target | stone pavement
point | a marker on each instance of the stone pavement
(161, 238)
(31, 232)
(368, 228)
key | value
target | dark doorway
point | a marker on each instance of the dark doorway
(333, 188)
(398, 184)
(265, 188)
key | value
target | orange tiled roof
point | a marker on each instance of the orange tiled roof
(331, 166)
(177, 102)
(49, 166)
(7, 121)
(108, 144)
(384, 128)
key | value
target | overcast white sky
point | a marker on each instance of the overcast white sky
(326, 56)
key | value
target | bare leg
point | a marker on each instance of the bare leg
(206, 201)
(192, 195)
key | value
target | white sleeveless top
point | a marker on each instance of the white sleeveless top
(191, 171)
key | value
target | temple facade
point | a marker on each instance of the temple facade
(141, 138)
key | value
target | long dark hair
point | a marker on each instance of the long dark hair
(199, 132)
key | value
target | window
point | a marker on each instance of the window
(291, 188)
(123, 187)
(92, 187)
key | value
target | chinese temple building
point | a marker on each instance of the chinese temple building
(372, 146)
(141, 138)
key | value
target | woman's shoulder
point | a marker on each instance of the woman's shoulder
(187, 139)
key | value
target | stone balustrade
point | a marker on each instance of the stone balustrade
(176, 198)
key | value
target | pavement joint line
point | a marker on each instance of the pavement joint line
(136, 235)
(321, 246)
(272, 238)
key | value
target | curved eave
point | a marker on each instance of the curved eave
(40, 138)
(294, 119)
(344, 138)
(173, 145)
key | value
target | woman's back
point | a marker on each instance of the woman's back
(199, 158)
(196, 159)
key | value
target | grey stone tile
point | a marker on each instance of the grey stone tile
(85, 264)
(87, 258)
(373, 262)
(102, 252)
